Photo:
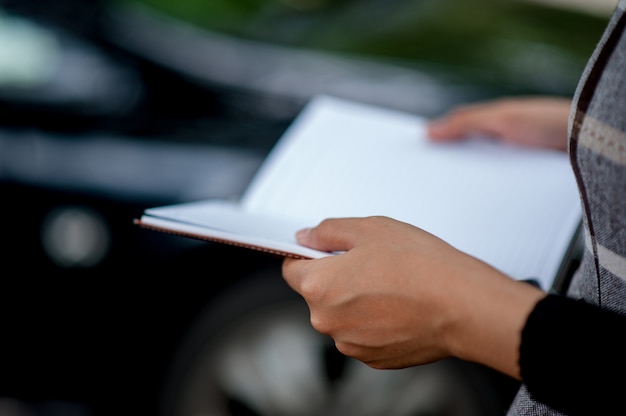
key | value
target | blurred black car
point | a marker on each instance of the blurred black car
(106, 110)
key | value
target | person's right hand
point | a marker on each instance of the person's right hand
(398, 296)
(528, 121)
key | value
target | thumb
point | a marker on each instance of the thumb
(335, 234)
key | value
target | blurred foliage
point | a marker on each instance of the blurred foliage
(490, 41)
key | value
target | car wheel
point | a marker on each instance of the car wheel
(254, 352)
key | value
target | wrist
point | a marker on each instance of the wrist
(488, 325)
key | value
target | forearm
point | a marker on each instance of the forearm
(492, 319)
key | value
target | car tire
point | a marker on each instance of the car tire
(253, 352)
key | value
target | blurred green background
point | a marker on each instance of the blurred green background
(511, 47)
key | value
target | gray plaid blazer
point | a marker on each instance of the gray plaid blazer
(597, 150)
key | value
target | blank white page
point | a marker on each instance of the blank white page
(516, 208)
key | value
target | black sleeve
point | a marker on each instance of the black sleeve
(573, 357)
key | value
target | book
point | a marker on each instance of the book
(514, 207)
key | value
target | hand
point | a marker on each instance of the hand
(400, 296)
(538, 122)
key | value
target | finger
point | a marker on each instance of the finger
(440, 130)
(334, 234)
(292, 271)
(466, 121)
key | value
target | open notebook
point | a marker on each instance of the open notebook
(515, 208)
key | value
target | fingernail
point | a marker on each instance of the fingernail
(302, 234)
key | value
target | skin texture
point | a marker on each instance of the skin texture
(400, 296)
